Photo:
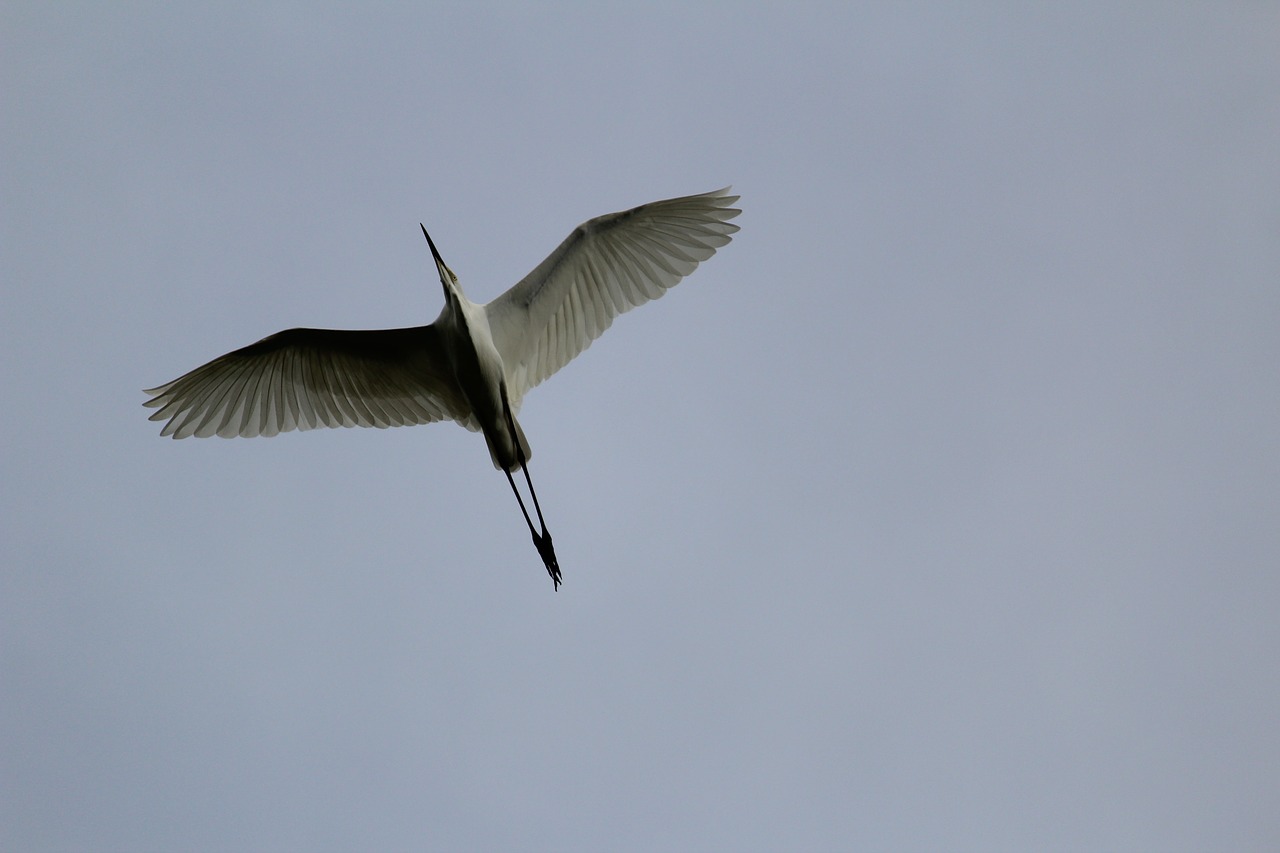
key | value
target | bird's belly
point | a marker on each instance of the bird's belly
(482, 386)
(479, 372)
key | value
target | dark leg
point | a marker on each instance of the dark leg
(542, 541)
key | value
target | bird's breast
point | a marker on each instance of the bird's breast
(478, 369)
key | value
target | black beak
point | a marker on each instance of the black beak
(440, 267)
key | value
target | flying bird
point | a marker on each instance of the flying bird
(474, 364)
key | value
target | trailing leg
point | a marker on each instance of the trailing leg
(542, 541)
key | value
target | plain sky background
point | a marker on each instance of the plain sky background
(938, 511)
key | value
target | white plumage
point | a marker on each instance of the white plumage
(475, 363)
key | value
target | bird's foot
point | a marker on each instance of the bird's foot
(548, 554)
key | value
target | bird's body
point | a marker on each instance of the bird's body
(475, 363)
(476, 366)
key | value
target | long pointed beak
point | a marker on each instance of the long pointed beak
(446, 275)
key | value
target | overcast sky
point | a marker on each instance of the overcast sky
(938, 511)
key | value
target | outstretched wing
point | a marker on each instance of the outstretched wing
(606, 266)
(309, 378)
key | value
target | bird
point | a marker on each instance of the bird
(474, 363)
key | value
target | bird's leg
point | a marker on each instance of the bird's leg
(520, 501)
(532, 493)
(545, 549)
(541, 541)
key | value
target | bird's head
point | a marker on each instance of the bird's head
(448, 280)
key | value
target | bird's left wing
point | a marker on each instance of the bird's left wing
(309, 378)
(608, 265)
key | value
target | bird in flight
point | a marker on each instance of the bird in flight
(474, 364)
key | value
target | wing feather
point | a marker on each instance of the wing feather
(309, 378)
(607, 266)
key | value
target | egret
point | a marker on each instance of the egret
(474, 364)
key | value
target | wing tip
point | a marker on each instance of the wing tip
(724, 194)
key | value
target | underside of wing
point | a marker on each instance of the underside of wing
(309, 378)
(606, 266)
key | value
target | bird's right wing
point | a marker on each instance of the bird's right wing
(309, 378)
(608, 265)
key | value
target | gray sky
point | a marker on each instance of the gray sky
(936, 512)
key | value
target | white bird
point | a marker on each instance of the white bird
(475, 363)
